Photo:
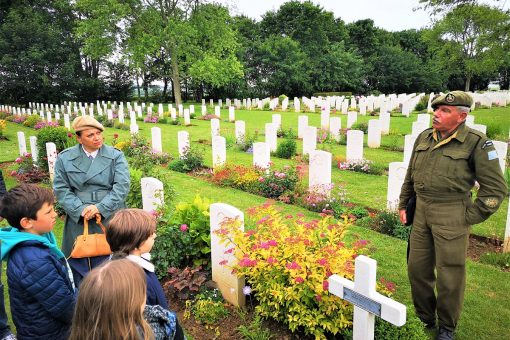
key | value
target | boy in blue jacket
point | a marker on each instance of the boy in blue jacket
(40, 282)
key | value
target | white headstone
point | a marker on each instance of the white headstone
(319, 175)
(219, 151)
(51, 154)
(182, 142)
(384, 117)
(217, 111)
(418, 127)
(354, 145)
(271, 138)
(152, 194)
(302, 124)
(501, 149)
(261, 155)
(335, 124)
(277, 121)
(309, 139)
(22, 143)
(367, 301)
(396, 175)
(374, 133)
(133, 128)
(325, 119)
(352, 117)
(215, 127)
(33, 148)
(156, 140)
(187, 119)
(408, 146)
(204, 110)
(240, 131)
(229, 284)
(231, 114)
(180, 109)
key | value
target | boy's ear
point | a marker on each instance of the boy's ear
(25, 223)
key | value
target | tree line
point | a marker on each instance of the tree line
(83, 50)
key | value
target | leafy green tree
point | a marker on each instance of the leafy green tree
(469, 40)
(40, 58)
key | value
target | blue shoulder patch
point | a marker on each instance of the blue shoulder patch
(492, 155)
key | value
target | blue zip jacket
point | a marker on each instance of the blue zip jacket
(41, 293)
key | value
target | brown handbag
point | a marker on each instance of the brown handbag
(91, 245)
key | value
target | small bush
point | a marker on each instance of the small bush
(27, 172)
(121, 126)
(356, 165)
(495, 131)
(286, 149)
(62, 138)
(192, 159)
(422, 104)
(360, 126)
(254, 330)
(184, 283)
(277, 182)
(287, 263)
(207, 311)
(32, 120)
(412, 330)
(501, 260)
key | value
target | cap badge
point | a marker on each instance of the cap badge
(450, 98)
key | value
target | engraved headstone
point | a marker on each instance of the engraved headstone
(152, 194)
(157, 146)
(309, 139)
(261, 155)
(374, 133)
(354, 145)
(396, 175)
(319, 175)
(219, 151)
(182, 142)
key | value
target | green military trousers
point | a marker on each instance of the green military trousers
(437, 259)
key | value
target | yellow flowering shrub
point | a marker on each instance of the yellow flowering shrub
(3, 127)
(287, 262)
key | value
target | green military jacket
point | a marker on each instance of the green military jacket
(447, 170)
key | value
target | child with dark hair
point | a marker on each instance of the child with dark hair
(40, 281)
(131, 234)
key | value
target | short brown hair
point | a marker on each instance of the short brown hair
(109, 304)
(22, 201)
(128, 229)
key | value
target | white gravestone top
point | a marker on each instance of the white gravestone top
(152, 194)
(366, 300)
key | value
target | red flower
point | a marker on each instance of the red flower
(325, 285)
(293, 265)
(115, 135)
(184, 227)
(318, 297)
(299, 279)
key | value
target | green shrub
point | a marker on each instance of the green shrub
(422, 104)
(495, 131)
(58, 135)
(388, 222)
(134, 197)
(254, 330)
(248, 141)
(32, 120)
(360, 126)
(266, 107)
(501, 260)
(192, 159)
(412, 330)
(121, 126)
(108, 123)
(281, 98)
(330, 94)
(208, 311)
(359, 212)
(286, 149)
(184, 237)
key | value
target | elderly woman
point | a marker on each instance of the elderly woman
(90, 178)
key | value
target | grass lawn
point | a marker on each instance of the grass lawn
(485, 314)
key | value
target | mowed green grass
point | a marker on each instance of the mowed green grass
(364, 189)
(487, 287)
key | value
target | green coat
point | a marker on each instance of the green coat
(448, 169)
(79, 182)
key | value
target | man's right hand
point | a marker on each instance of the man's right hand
(403, 216)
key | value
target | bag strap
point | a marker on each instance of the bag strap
(98, 221)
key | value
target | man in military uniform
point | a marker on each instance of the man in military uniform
(446, 161)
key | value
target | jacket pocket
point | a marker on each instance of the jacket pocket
(454, 162)
(420, 155)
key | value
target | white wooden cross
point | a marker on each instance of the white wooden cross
(367, 302)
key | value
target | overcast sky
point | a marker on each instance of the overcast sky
(392, 15)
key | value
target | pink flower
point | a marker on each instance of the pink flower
(289, 216)
(70, 135)
(184, 227)
(229, 251)
(223, 262)
(249, 233)
(19, 160)
(13, 173)
(299, 279)
(318, 297)
(261, 179)
(322, 261)
(246, 262)
(293, 265)
(272, 243)
(272, 260)
(325, 285)
(300, 215)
